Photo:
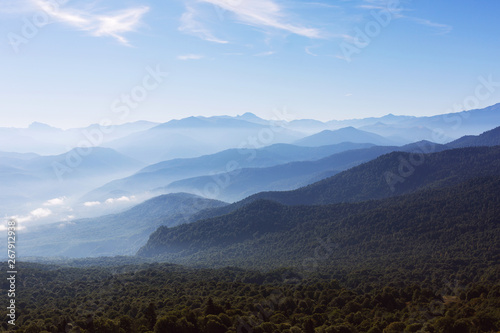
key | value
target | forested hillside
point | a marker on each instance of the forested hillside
(394, 174)
(460, 222)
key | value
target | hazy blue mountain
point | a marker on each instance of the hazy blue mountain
(117, 131)
(24, 141)
(401, 134)
(489, 138)
(239, 184)
(47, 140)
(15, 160)
(458, 124)
(196, 136)
(252, 118)
(308, 126)
(444, 127)
(358, 123)
(116, 234)
(16, 156)
(166, 172)
(347, 134)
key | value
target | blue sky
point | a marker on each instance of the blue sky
(68, 63)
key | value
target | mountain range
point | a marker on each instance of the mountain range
(418, 167)
(47, 140)
(86, 181)
(158, 175)
(236, 185)
(438, 213)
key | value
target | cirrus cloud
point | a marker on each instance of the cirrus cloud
(190, 57)
(111, 24)
(264, 14)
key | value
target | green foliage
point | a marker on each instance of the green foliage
(166, 298)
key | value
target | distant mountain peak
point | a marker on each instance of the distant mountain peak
(249, 114)
(345, 134)
(37, 126)
(348, 128)
(252, 118)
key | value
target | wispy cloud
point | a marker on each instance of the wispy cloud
(397, 11)
(113, 24)
(308, 51)
(265, 54)
(441, 28)
(191, 24)
(321, 5)
(263, 14)
(190, 57)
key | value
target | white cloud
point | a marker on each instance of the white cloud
(36, 214)
(40, 213)
(22, 219)
(108, 24)
(190, 57)
(91, 203)
(55, 202)
(118, 200)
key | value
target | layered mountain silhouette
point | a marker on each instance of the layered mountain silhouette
(286, 174)
(163, 173)
(236, 185)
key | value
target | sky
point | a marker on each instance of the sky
(71, 63)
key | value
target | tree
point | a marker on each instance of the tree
(150, 315)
